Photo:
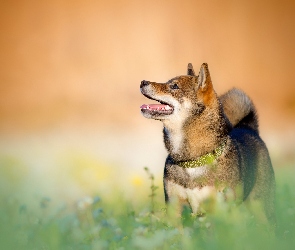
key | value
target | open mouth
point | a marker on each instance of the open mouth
(157, 109)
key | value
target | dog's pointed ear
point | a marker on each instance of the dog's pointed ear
(204, 79)
(190, 70)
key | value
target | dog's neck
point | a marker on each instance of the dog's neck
(197, 135)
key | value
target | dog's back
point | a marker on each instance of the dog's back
(254, 161)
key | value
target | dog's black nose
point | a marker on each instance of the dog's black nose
(144, 83)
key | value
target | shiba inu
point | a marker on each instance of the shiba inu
(213, 142)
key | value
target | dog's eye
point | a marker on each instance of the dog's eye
(174, 86)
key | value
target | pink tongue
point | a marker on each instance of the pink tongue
(155, 107)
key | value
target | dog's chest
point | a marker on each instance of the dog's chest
(192, 194)
(194, 197)
(197, 172)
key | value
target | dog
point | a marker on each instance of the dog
(213, 143)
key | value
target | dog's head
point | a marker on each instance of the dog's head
(181, 96)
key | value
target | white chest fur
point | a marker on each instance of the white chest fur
(174, 124)
(176, 138)
(193, 196)
(196, 172)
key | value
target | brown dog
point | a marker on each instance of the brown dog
(213, 142)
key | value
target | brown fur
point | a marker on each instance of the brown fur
(200, 122)
(237, 105)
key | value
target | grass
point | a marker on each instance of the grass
(143, 222)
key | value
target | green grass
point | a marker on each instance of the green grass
(143, 222)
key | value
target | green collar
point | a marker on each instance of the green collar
(205, 159)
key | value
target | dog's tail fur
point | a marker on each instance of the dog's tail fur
(239, 109)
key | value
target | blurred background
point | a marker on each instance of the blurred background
(70, 123)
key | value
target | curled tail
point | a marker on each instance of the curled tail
(239, 109)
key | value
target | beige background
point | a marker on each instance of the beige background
(70, 73)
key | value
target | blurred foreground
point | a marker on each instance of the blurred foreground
(109, 220)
